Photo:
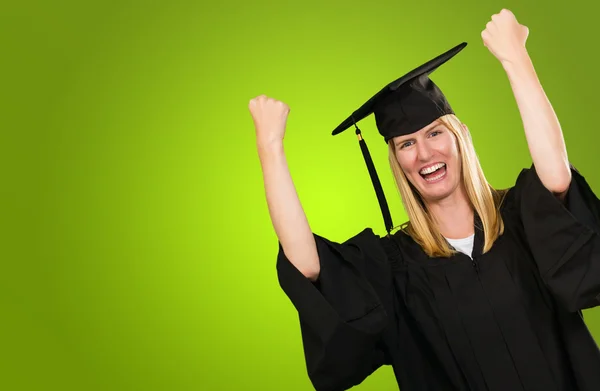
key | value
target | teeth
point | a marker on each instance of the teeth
(435, 178)
(431, 169)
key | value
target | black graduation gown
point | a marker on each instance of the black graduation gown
(507, 320)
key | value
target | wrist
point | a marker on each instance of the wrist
(267, 148)
(519, 61)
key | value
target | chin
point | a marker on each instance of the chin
(437, 196)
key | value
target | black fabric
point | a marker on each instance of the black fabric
(509, 319)
(408, 103)
(385, 211)
(410, 108)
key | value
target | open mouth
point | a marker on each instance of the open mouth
(434, 173)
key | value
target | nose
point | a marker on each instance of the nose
(423, 152)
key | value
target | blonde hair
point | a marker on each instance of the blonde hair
(484, 199)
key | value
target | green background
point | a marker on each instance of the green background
(137, 250)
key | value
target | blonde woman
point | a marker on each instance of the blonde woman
(482, 289)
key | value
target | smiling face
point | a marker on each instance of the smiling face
(430, 160)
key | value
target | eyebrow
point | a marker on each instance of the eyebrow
(396, 143)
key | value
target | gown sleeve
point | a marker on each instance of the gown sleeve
(341, 317)
(563, 237)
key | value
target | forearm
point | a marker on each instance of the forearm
(542, 128)
(286, 212)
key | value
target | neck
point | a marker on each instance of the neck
(453, 214)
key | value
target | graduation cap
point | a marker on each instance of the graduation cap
(402, 107)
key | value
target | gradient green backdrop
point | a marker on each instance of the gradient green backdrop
(137, 248)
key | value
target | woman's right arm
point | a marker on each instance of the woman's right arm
(286, 212)
(342, 318)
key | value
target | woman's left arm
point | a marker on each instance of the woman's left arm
(505, 38)
(564, 239)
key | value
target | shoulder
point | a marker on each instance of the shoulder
(365, 238)
(506, 198)
(401, 247)
(375, 248)
(365, 243)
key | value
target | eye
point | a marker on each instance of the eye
(404, 144)
(435, 133)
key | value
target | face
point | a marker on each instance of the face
(430, 160)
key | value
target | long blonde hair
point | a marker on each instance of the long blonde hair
(484, 199)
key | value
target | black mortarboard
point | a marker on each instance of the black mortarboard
(402, 107)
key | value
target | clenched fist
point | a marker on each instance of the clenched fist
(505, 37)
(270, 118)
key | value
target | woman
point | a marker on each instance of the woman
(482, 289)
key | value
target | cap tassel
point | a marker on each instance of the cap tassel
(387, 218)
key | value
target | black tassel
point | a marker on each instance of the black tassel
(387, 218)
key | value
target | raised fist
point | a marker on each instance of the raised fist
(270, 118)
(505, 37)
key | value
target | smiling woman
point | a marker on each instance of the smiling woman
(441, 184)
(502, 309)
(430, 157)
